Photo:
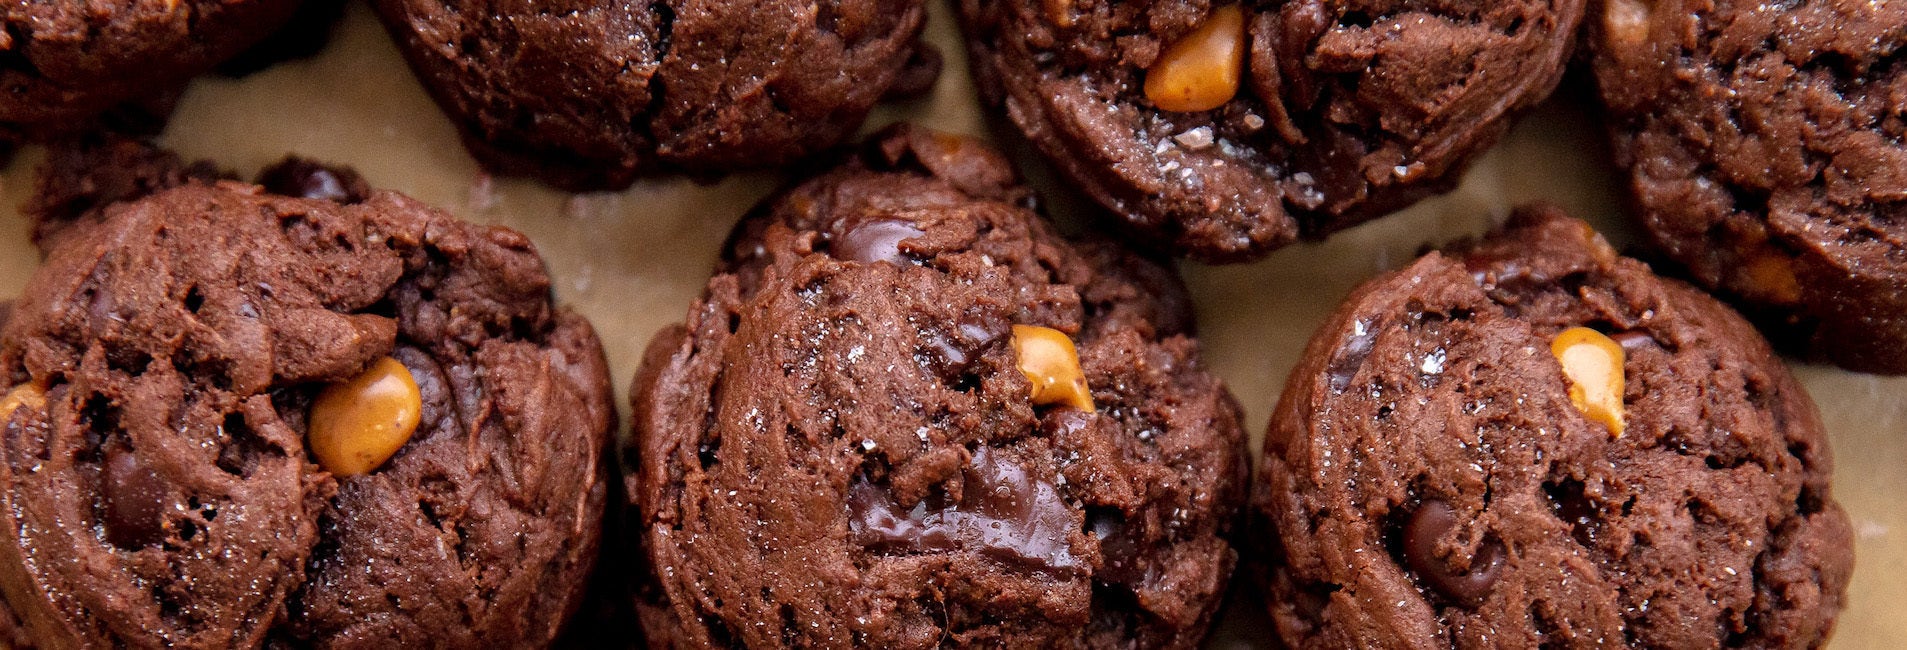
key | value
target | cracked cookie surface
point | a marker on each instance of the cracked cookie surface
(158, 491)
(590, 95)
(1341, 111)
(1429, 480)
(1766, 147)
(65, 64)
(841, 446)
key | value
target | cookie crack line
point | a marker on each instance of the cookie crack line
(658, 88)
(963, 423)
(469, 363)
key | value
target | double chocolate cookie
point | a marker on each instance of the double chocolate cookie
(1226, 130)
(590, 95)
(237, 418)
(906, 414)
(1765, 149)
(65, 64)
(1532, 442)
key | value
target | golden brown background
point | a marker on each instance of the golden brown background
(633, 261)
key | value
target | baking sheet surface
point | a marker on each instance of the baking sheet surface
(633, 261)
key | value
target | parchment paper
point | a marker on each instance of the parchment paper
(633, 261)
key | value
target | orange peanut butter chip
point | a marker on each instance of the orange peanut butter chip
(1771, 277)
(24, 395)
(358, 424)
(1051, 363)
(1594, 365)
(1200, 72)
(1625, 21)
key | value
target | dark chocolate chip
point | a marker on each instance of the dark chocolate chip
(1003, 512)
(1428, 525)
(953, 356)
(134, 498)
(878, 522)
(955, 348)
(875, 240)
(1350, 356)
(311, 180)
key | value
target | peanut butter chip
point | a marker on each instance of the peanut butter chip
(1200, 72)
(359, 424)
(1061, 13)
(24, 395)
(1594, 365)
(1051, 364)
(1770, 276)
(1625, 21)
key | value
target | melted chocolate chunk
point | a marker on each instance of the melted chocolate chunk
(134, 500)
(876, 240)
(307, 179)
(1430, 523)
(955, 348)
(1002, 513)
(1351, 356)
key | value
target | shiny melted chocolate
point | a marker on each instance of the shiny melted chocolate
(1432, 520)
(1003, 513)
(877, 240)
(134, 499)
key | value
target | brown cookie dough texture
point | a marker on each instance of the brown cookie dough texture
(160, 493)
(1343, 111)
(1429, 482)
(839, 449)
(1764, 143)
(64, 63)
(590, 95)
(82, 175)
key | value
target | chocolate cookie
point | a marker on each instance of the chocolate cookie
(906, 414)
(304, 35)
(1224, 131)
(64, 64)
(1531, 441)
(596, 94)
(1764, 144)
(83, 175)
(238, 418)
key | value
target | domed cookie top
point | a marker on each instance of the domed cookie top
(63, 63)
(1226, 130)
(1767, 150)
(906, 413)
(1533, 442)
(238, 416)
(589, 95)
